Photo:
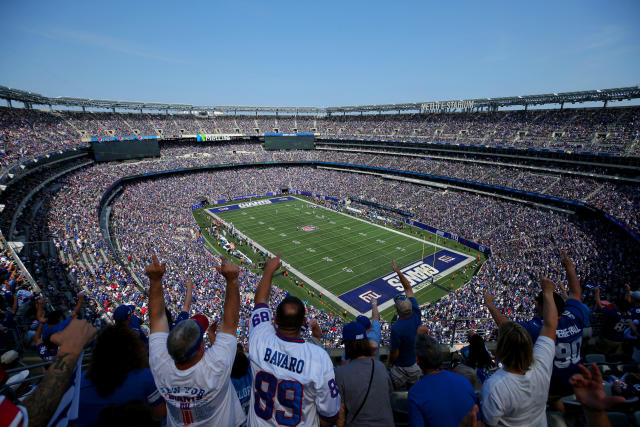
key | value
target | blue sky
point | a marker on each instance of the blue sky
(316, 53)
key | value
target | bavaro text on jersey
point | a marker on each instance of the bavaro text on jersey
(283, 360)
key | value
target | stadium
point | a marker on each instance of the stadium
(126, 223)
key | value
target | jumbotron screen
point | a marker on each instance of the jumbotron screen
(107, 151)
(283, 141)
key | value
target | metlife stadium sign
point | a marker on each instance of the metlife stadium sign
(446, 105)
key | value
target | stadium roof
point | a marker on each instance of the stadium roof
(601, 95)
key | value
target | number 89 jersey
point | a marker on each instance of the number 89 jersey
(293, 381)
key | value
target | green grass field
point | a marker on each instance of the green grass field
(339, 254)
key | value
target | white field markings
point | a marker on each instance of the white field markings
(367, 243)
(330, 242)
(384, 256)
(325, 292)
(390, 230)
(424, 284)
(438, 276)
(345, 273)
(350, 263)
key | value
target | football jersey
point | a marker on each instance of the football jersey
(203, 394)
(293, 381)
(615, 322)
(568, 338)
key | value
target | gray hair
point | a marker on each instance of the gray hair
(428, 352)
(182, 338)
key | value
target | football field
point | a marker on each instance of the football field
(346, 258)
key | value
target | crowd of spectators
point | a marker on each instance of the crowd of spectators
(26, 133)
(82, 278)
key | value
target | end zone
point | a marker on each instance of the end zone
(419, 274)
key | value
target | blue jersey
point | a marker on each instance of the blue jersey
(403, 336)
(635, 313)
(138, 385)
(242, 386)
(441, 399)
(615, 322)
(568, 338)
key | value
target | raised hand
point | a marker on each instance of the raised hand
(40, 311)
(589, 391)
(155, 270)
(75, 336)
(565, 260)
(189, 284)
(273, 264)
(488, 299)
(547, 285)
(229, 270)
(395, 266)
(316, 331)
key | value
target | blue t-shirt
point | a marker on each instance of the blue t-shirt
(138, 385)
(403, 336)
(46, 354)
(441, 399)
(635, 312)
(615, 322)
(242, 386)
(568, 338)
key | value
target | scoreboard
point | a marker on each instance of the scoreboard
(289, 141)
(106, 151)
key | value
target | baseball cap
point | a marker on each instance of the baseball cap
(9, 357)
(122, 313)
(202, 321)
(635, 295)
(353, 331)
(47, 330)
(403, 305)
(364, 321)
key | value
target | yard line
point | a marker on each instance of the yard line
(389, 229)
(328, 294)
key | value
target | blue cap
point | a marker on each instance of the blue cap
(123, 312)
(364, 321)
(353, 331)
(47, 330)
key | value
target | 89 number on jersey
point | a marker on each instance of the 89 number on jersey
(289, 395)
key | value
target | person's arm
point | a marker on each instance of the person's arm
(43, 402)
(597, 297)
(316, 330)
(231, 308)
(157, 316)
(549, 310)
(188, 296)
(264, 287)
(627, 293)
(37, 339)
(393, 356)
(587, 386)
(497, 314)
(14, 307)
(76, 309)
(375, 314)
(408, 290)
(575, 290)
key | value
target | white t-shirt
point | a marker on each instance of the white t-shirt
(202, 395)
(520, 400)
(293, 381)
